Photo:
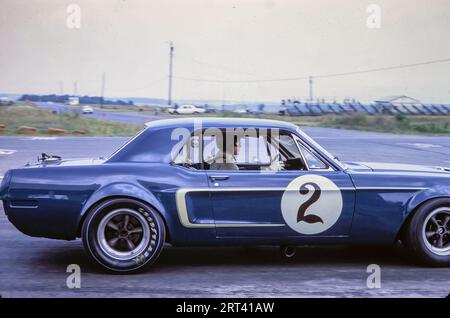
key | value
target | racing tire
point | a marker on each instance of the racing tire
(428, 233)
(123, 235)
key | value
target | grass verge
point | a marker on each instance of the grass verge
(15, 116)
(400, 124)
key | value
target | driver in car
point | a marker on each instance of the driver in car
(226, 160)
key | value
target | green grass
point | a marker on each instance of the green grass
(400, 124)
(25, 115)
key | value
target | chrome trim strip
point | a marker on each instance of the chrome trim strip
(392, 188)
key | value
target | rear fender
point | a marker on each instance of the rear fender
(122, 189)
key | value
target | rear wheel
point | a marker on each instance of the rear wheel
(428, 234)
(123, 235)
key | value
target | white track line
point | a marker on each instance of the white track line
(42, 138)
(7, 151)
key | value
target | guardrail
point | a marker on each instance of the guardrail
(316, 109)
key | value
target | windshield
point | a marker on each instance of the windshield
(321, 149)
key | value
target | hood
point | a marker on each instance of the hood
(68, 162)
(381, 166)
(82, 162)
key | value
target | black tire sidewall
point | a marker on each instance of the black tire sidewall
(145, 258)
(414, 236)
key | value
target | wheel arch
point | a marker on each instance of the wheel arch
(132, 192)
(418, 200)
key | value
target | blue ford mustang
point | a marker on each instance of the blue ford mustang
(192, 182)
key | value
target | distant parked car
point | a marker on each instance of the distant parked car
(186, 109)
(73, 101)
(87, 110)
(243, 111)
(282, 111)
(5, 101)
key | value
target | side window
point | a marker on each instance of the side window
(209, 148)
(289, 144)
(311, 159)
(289, 155)
(245, 153)
(253, 151)
(189, 155)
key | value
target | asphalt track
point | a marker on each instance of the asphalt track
(33, 267)
(119, 117)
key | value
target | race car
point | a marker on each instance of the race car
(226, 182)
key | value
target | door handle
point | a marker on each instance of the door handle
(217, 178)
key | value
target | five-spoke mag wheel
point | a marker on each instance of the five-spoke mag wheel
(436, 231)
(123, 233)
(427, 235)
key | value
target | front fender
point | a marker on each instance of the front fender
(422, 196)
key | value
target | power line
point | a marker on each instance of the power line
(387, 68)
(141, 88)
(222, 68)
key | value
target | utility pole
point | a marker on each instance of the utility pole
(75, 88)
(102, 93)
(311, 88)
(169, 101)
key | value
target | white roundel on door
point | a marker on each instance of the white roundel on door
(311, 204)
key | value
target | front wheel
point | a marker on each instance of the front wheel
(428, 234)
(123, 235)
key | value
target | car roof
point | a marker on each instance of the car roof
(218, 121)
